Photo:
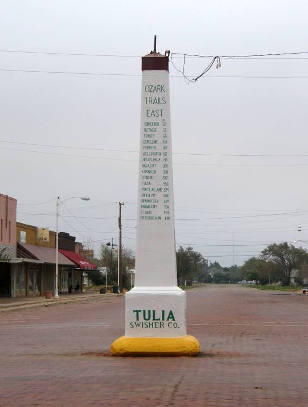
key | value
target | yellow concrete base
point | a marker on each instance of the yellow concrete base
(182, 346)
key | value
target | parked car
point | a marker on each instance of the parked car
(305, 289)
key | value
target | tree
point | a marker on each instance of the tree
(184, 265)
(285, 257)
(234, 273)
(191, 266)
(128, 262)
(220, 274)
(109, 259)
(215, 267)
(260, 270)
(96, 277)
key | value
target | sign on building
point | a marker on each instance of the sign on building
(43, 234)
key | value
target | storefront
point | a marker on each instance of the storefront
(76, 277)
(26, 277)
(41, 278)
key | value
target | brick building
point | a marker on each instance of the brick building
(7, 241)
(28, 257)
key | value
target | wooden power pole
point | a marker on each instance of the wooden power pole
(120, 276)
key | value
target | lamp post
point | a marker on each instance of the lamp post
(83, 198)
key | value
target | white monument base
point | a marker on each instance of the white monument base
(155, 312)
(155, 324)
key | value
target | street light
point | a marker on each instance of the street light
(83, 198)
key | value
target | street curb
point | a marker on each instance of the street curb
(52, 302)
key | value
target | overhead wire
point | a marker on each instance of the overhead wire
(123, 150)
(72, 227)
(191, 77)
(218, 58)
(188, 78)
(189, 164)
(260, 55)
(78, 54)
(113, 55)
(77, 218)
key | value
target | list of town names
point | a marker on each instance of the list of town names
(154, 155)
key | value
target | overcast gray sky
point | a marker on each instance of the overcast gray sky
(227, 207)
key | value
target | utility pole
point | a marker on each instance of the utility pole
(233, 249)
(112, 246)
(83, 198)
(56, 295)
(111, 255)
(120, 277)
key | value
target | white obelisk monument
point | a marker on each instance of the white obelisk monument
(155, 322)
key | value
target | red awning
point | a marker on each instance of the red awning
(78, 260)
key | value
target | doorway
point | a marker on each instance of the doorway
(5, 280)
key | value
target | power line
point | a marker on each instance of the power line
(69, 146)
(138, 75)
(37, 203)
(94, 217)
(178, 207)
(294, 213)
(217, 59)
(70, 155)
(98, 54)
(68, 224)
(205, 70)
(175, 163)
(67, 216)
(74, 54)
(67, 72)
(260, 55)
(121, 150)
(75, 217)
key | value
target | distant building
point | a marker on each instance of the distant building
(7, 241)
(78, 247)
(67, 247)
(66, 241)
(39, 243)
(84, 259)
(87, 254)
(8, 225)
(36, 236)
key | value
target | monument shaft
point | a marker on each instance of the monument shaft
(155, 253)
(155, 294)
(155, 321)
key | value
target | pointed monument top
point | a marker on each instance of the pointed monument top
(155, 60)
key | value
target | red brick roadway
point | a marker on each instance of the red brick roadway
(254, 353)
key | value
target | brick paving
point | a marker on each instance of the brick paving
(254, 353)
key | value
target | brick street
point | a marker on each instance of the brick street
(254, 348)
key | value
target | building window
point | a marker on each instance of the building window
(22, 236)
(1, 232)
(9, 231)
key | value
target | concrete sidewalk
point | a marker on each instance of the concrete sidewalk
(14, 304)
